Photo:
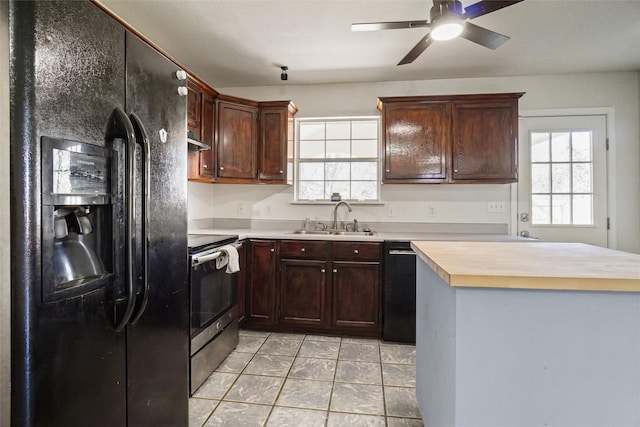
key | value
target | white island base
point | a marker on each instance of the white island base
(525, 357)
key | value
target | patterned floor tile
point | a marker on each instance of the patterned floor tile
(404, 422)
(319, 349)
(255, 389)
(233, 414)
(250, 343)
(216, 385)
(399, 375)
(280, 346)
(294, 417)
(360, 352)
(357, 398)
(401, 402)
(398, 353)
(338, 419)
(199, 410)
(305, 394)
(358, 372)
(235, 362)
(313, 369)
(267, 364)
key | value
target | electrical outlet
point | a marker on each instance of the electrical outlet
(391, 211)
(241, 209)
(495, 207)
(267, 210)
(431, 212)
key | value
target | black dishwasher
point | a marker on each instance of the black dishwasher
(399, 315)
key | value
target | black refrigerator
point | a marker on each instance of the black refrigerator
(99, 292)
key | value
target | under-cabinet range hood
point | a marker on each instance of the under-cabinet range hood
(194, 144)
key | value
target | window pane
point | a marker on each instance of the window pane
(367, 148)
(364, 130)
(561, 209)
(364, 170)
(339, 130)
(341, 187)
(311, 131)
(582, 178)
(310, 149)
(364, 190)
(335, 171)
(560, 147)
(311, 190)
(540, 178)
(338, 149)
(561, 178)
(540, 209)
(581, 146)
(583, 209)
(311, 171)
(540, 146)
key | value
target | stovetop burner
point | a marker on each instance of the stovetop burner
(201, 242)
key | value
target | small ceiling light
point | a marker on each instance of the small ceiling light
(447, 28)
(283, 75)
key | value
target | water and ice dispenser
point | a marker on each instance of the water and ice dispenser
(77, 218)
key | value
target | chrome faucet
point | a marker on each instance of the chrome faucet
(335, 213)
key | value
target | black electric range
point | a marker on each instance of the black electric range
(202, 242)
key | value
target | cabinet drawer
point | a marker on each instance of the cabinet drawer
(356, 251)
(303, 249)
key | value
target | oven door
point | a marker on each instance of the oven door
(213, 296)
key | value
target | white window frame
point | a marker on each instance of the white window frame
(298, 161)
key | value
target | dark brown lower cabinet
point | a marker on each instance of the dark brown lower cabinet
(242, 281)
(356, 296)
(302, 293)
(320, 286)
(261, 283)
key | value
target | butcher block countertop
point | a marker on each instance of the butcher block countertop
(532, 265)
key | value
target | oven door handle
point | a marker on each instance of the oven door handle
(197, 260)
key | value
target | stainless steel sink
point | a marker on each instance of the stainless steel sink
(336, 232)
(311, 232)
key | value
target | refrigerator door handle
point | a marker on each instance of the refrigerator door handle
(143, 140)
(119, 126)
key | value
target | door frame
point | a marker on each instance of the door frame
(609, 114)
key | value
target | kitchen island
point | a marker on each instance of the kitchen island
(527, 334)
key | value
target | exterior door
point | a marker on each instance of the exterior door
(562, 190)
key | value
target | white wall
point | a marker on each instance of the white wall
(5, 265)
(453, 203)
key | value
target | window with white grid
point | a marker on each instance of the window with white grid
(338, 155)
(562, 177)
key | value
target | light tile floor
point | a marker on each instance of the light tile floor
(281, 380)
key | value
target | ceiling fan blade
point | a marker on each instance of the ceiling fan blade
(422, 45)
(486, 6)
(483, 37)
(376, 26)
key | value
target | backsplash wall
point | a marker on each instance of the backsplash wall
(409, 203)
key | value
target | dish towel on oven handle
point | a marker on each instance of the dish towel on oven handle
(229, 257)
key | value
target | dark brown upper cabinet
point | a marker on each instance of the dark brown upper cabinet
(276, 140)
(452, 138)
(194, 108)
(237, 140)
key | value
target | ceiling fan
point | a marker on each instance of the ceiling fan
(448, 21)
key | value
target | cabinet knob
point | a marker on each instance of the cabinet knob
(335, 270)
(355, 251)
(221, 168)
(204, 166)
(280, 172)
(273, 250)
(322, 270)
(388, 171)
(303, 250)
(455, 170)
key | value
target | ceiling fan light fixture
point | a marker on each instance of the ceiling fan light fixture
(447, 29)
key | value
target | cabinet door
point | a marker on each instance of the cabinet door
(415, 142)
(194, 108)
(302, 293)
(273, 144)
(261, 283)
(356, 296)
(207, 166)
(237, 141)
(484, 141)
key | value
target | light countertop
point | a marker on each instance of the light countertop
(531, 265)
(246, 233)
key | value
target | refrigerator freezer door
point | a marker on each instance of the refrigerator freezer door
(158, 343)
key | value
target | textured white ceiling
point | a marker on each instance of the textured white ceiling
(231, 43)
